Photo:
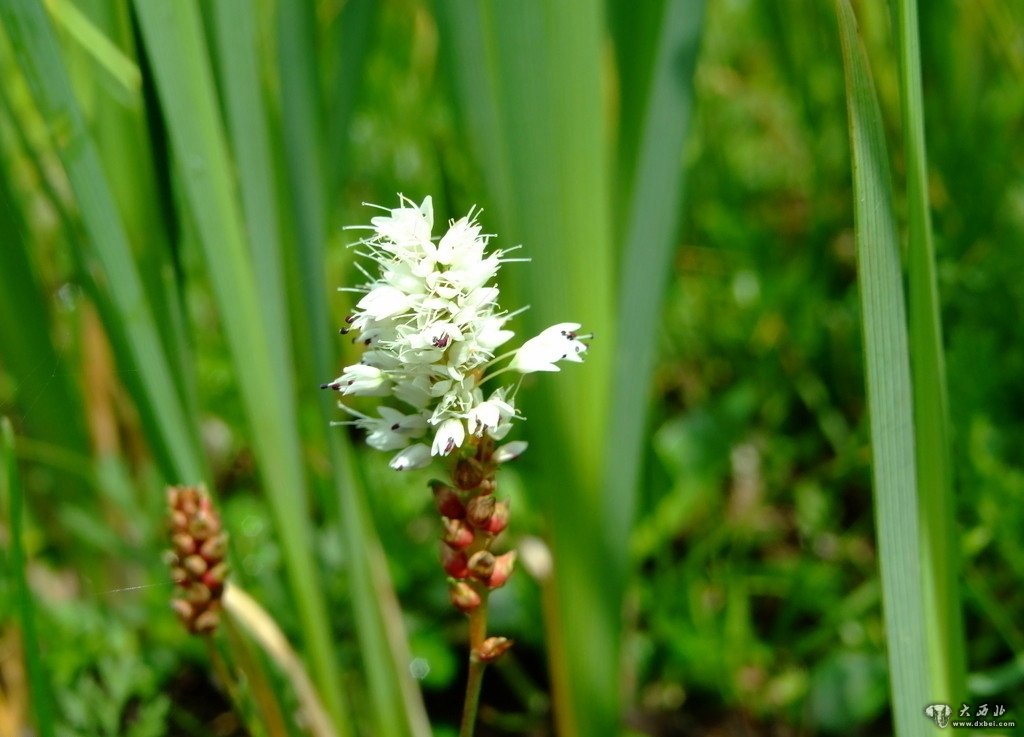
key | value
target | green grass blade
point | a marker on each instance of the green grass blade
(931, 408)
(175, 46)
(527, 77)
(653, 155)
(889, 390)
(246, 111)
(119, 69)
(39, 686)
(397, 706)
(109, 250)
(52, 409)
(348, 44)
(301, 130)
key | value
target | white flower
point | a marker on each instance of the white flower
(449, 436)
(383, 301)
(557, 343)
(406, 228)
(462, 242)
(509, 451)
(488, 416)
(363, 380)
(393, 429)
(430, 324)
(415, 456)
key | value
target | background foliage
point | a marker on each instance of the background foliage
(172, 191)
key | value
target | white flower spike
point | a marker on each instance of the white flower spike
(429, 323)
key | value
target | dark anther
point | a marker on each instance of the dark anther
(395, 426)
(350, 319)
(367, 341)
(442, 341)
(450, 446)
(344, 331)
(326, 386)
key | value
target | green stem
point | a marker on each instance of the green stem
(473, 684)
(477, 635)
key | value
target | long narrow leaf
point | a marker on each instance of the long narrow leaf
(45, 394)
(397, 707)
(889, 392)
(177, 52)
(527, 77)
(10, 487)
(37, 49)
(931, 412)
(651, 219)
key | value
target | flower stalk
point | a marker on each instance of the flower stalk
(429, 325)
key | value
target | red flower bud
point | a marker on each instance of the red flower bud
(503, 566)
(481, 564)
(454, 562)
(463, 596)
(493, 648)
(468, 474)
(447, 500)
(499, 519)
(457, 534)
(479, 511)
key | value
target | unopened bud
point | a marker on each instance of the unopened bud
(195, 564)
(447, 501)
(184, 544)
(201, 526)
(183, 609)
(454, 562)
(215, 577)
(457, 534)
(503, 566)
(207, 621)
(493, 648)
(481, 564)
(198, 595)
(468, 474)
(479, 510)
(499, 518)
(214, 548)
(463, 596)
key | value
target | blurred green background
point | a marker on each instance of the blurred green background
(174, 179)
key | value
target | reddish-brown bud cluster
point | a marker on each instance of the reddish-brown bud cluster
(199, 545)
(470, 519)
